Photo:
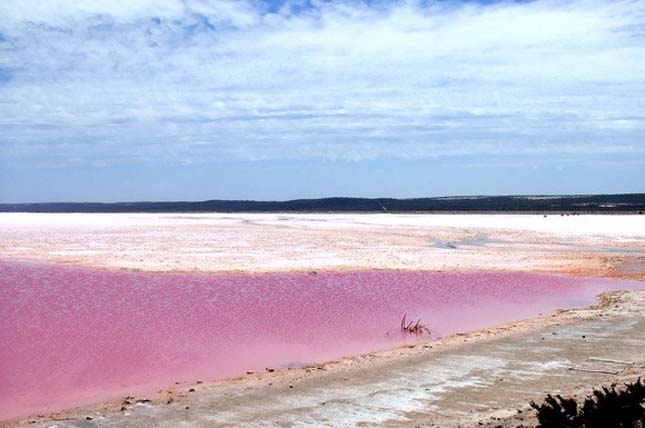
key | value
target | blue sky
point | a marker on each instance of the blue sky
(197, 99)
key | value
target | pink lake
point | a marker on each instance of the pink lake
(72, 336)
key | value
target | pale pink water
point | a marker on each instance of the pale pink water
(72, 336)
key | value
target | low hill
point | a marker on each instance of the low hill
(633, 202)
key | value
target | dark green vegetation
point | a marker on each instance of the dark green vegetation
(633, 202)
(606, 408)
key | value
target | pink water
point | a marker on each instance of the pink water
(72, 336)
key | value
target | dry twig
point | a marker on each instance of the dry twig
(412, 327)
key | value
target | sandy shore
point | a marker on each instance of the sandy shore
(483, 377)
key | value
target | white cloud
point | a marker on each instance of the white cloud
(214, 79)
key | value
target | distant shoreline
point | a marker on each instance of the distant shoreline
(437, 212)
(522, 204)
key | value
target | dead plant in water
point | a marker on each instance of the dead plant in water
(412, 327)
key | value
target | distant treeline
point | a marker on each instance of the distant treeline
(634, 202)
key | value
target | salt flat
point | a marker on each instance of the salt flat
(593, 244)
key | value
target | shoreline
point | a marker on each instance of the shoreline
(606, 272)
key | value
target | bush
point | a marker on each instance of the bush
(606, 408)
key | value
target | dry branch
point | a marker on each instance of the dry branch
(580, 369)
(609, 360)
(412, 327)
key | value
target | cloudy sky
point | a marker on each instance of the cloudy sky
(109, 100)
